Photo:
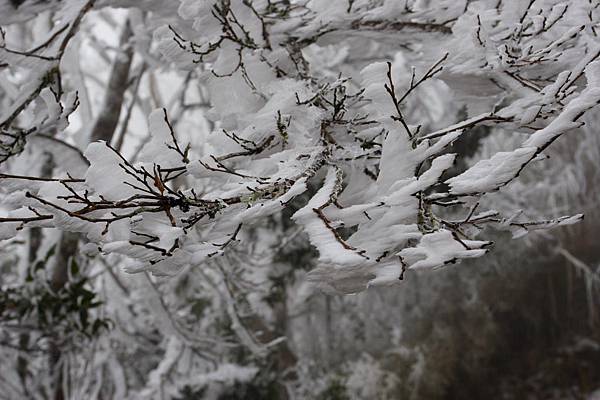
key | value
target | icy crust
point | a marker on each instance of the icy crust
(489, 175)
(156, 151)
(567, 119)
(286, 165)
(278, 126)
(9, 230)
(320, 232)
(385, 213)
(439, 248)
(105, 176)
(519, 229)
(501, 168)
(269, 207)
(110, 177)
(44, 110)
(387, 221)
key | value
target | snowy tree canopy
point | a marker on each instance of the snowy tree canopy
(359, 100)
(181, 181)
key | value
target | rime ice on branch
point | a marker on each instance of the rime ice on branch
(286, 119)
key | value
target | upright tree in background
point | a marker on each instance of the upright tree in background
(267, 121)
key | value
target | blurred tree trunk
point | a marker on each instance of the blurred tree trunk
(118, 83)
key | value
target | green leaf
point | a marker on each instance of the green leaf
(83, 318)
(50, 252)
(74, 267)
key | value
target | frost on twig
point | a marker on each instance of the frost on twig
(284, 122)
